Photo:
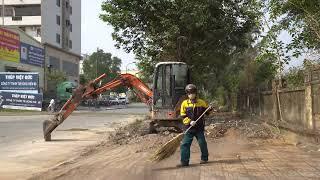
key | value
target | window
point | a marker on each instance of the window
(67, 23)
(17, 18)
(23, 28)
(70, 68)
(54, 62)
(181, 75)
(58, 38)
(58, 3)
(70, 44)
(38, 32)
(70, 10)
(58, 20)
(26, 10)
(67, 4)
(70, 27)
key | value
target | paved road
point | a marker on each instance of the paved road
(15, 129)
(23, 151)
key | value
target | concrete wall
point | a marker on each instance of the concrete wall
(75, 19)
(26, 21)
(50, 28)
(292, 103)
(267, 105)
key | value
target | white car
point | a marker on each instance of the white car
(114, 101)
(123, 100)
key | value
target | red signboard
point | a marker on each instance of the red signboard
(9, 46)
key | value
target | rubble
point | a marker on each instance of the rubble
(138, 132)
(247, 128)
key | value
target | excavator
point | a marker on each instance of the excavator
(164, 100)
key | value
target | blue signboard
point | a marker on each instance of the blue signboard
(31, 55)
(25, 101)
(19, 81)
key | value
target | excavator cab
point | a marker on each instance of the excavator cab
(170, 80)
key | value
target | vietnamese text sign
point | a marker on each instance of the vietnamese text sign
(24, 101)
(31, 55)
(19, 81)
(9, 46)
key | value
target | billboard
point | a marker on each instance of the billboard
(31, 55)
(24, 101)
(9, 46)
(19, 81)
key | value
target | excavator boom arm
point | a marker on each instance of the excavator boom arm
(89, 91)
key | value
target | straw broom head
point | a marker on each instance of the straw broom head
(168, 149)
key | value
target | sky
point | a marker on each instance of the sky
(97, 34)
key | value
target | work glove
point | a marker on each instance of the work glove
(193, 123)
(186, 121)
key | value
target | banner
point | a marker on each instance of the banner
(24, 101)
(9, 46)
(31, 55)
(19, 81)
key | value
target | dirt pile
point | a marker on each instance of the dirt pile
(138, 133)
(247, 128)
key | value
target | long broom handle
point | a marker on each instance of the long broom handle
(198, 119)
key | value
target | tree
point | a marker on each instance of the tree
(301, 19)
(99, 63)
(208, 35)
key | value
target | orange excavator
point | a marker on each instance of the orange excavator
(164, 99)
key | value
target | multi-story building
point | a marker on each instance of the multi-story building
(54, 23)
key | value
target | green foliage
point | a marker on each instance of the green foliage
(294, 77)
(208, 35)
(99, 63)
(55, 77)
(146, 67)
(301, 18)
(83, 79)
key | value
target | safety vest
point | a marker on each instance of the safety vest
(193, 109)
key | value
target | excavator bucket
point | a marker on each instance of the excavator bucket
(82, 92)
(49, 126)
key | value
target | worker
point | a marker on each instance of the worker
(51, 105)
(191, 110)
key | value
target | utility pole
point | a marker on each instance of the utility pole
(2, 12)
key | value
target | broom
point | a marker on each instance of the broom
(171, 146)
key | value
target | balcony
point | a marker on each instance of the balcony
(19, 2)
(23, 21)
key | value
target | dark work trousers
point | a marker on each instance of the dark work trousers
(186, 143)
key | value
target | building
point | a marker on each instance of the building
(27, 55)
(84, 57)
(54, 23)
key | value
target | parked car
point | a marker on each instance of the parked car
(123, 100)
(104, 100)
(114, 101)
